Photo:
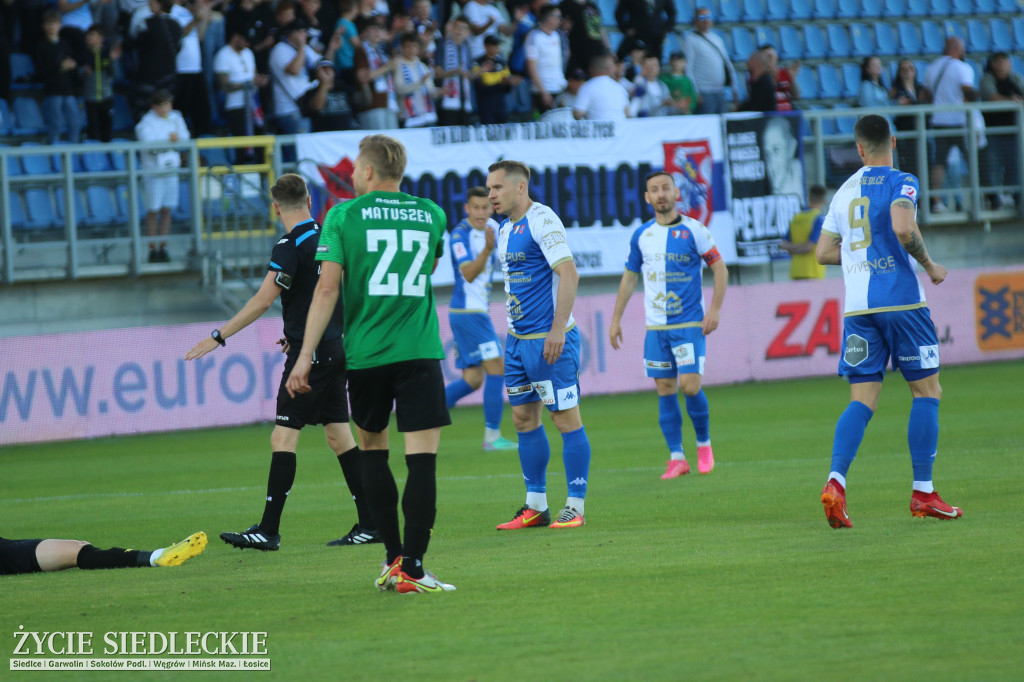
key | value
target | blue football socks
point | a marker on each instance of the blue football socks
(534, 453)
(923, 436)
(670, 418)
(456, 391)
(576, 458)
(697, 409)
(494, 400)
(849, 433)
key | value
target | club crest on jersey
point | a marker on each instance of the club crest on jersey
(909, 191)
(519, 229)
(690, 164)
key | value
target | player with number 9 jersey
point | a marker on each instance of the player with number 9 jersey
(387, 243)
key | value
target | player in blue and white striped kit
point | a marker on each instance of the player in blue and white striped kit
(670, 252)
(542, 351)
(477, 351)
(871, 231)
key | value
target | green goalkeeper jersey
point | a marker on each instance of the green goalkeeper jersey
(386, 242)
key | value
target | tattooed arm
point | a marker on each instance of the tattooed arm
(828, 251)
(904, 224)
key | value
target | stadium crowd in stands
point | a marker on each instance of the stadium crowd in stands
(286, 66)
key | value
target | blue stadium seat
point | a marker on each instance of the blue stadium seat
(28, 118)
(932, 37)
(121, 197)
(886, 40)
(791, 44)
(910, 37)
(124, 120)
(844, 124)
(963, 7)
(13, 163)
(807, 81)
(684, 11)
(36, 164)
(862, 40)
(1018, 32)
(870, 9)
(614, 40)
(7, 118)
(103, 208)
(940, 7)
(895, 8)
(918, 8)
(847, 9)
(94, 162)
(766, 35)
(17, 205)
(729, 11)
(851, 80)
(1001, 34)
(1008, 6)
(838, 39)
(978, 67)
(831, 85)
(183, 211)
(23, 72)
(81, 212)
(815, 44)
(1016, 63)
(978, 38)
(824, 9)
(742, 44)
(754, 10)
(41, 213)
(801, 9)
(985, 6)
(777, 10)
(955, 28)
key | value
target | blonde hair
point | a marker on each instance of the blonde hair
(385, 154)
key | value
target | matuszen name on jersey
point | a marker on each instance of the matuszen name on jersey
(405, 215)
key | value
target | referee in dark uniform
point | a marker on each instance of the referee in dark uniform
(293, 276)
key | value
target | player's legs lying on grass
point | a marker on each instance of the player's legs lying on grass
(530, 382)
(33, 556)
(416, 389)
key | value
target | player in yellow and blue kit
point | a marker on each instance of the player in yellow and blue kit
(477, 351)
(670, 252)
(871, 230)
(542, 351)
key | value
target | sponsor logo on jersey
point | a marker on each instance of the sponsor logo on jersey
(553, 239)
(684, 354)
(909, 191)
(323, 248)
(856, 350)
(519, 390)
(460, 250)
(546, 391)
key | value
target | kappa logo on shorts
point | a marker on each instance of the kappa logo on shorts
(489, 350)
(929, 356)
(519, 390)
(684, 354)
(546, 391)
(568, 397)
(856, 350)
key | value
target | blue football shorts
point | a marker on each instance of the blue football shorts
(529, 377)
(906, 336)
(670, 352)
(475, 339)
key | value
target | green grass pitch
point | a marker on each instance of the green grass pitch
(734, 575)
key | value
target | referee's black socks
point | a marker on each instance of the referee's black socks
(351, 463)
(382, 499)
(419, 506)
(279, 483)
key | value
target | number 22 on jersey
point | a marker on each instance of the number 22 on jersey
(383, 282)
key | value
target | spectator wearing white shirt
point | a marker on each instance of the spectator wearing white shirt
(602, 98)
(650, 97)
(190, 94)
(414, 86)
(290, 62)
(484, 20)
(160, 190)
(951, 80)
(708, 65)
(544, 58)
(235, 68)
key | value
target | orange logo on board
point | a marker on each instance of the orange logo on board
(999, 310)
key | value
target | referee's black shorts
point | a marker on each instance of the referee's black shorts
(326, 402)
(18, 556)
(414, 387)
